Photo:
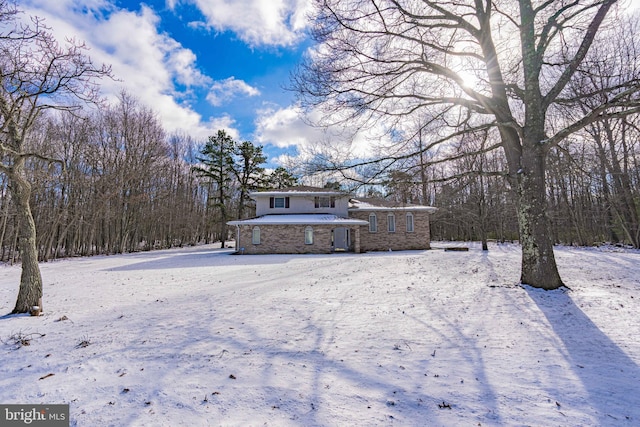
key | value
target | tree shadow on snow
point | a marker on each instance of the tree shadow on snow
(239, 366)
(200, 259)
(609, 376)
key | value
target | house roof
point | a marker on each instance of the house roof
(301, 190)
(299, 219)
(375, 204)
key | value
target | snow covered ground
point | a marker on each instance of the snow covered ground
(200, 337)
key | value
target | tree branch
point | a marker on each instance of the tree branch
(581, 53)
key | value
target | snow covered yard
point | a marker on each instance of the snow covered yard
(199, 337)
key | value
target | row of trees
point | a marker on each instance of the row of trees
(119, 183)
(113, 181)
(592, 181)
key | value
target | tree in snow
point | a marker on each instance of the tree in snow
(37, 74)
(216, 165)
(470, 66)
(248, 171)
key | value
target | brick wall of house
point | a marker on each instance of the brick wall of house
(383, 240)
(286, 239)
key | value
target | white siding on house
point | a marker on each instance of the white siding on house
(300, 204)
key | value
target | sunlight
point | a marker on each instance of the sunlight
(469, 79)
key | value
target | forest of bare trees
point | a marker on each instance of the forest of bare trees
(124, 185)
(121, 183)
(593, 194)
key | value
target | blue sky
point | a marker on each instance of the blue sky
(202, 65)
(205, 65)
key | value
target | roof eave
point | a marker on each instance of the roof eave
(255, 194)
(299, 219)
(429, 209)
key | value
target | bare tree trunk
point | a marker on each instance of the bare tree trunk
(30, 293)
(5, 217)
(538, 261)
(482, 215)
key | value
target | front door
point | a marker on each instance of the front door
(341, 239)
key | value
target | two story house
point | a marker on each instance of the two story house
(316, 220)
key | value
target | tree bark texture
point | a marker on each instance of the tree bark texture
(30, 292)
(539, 268)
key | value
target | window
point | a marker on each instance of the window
(373, 223)
(325, 202)
(409, 222)
(255, 236)
(278, 202)
(391, 223)
(308, 236)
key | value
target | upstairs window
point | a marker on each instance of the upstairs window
(325, 202)
(278, 202)
(373, 223)
(391, 223)
(409, 222)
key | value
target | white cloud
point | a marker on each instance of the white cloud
(164, 75)
(225, 90)
(152, 66)
(225, 123)
(257, 22)
(286, 127)
(181, 62)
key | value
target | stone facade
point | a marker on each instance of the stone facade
(401, 239)
(339, 223)
(290, 239)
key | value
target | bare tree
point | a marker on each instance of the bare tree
(472, 65)
(122, 188)
(37, 74)
(614, 63)
(137, 142)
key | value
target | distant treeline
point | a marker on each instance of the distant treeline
(116, 182)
